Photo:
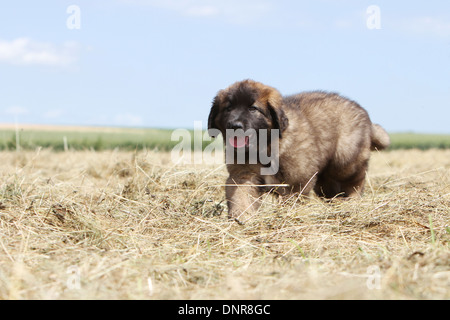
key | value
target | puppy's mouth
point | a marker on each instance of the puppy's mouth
(239, 142)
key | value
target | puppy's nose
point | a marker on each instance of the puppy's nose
(235, 125)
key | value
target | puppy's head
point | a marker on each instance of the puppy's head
(246, 106)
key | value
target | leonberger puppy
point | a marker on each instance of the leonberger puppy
(322, 143)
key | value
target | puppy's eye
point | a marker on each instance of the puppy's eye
(228, 109)
(253, 109)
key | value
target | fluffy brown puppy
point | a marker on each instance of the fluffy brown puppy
(322, 142)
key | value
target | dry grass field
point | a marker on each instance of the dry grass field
(132, 225)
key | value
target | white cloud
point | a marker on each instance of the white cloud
(53, 114)
(127, 119)
(203, 11)
(235, 11)
(16, 111)
(429, 26)
(344, 23)
(24, 51)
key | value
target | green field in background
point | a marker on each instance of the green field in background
(127, 139)
(419, 141)
(161, 139)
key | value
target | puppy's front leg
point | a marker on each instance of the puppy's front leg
(242, 198)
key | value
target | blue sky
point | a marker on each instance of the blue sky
(156, 63)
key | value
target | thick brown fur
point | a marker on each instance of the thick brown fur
(325, 143)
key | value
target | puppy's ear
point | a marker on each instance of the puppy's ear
(213, 129)
(279, 119)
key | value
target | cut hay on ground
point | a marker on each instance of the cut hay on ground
(121, 225)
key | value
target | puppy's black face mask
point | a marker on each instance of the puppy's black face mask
(241, 112)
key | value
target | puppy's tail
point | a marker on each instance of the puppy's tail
(380, 138)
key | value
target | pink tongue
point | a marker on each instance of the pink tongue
(239, 142)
